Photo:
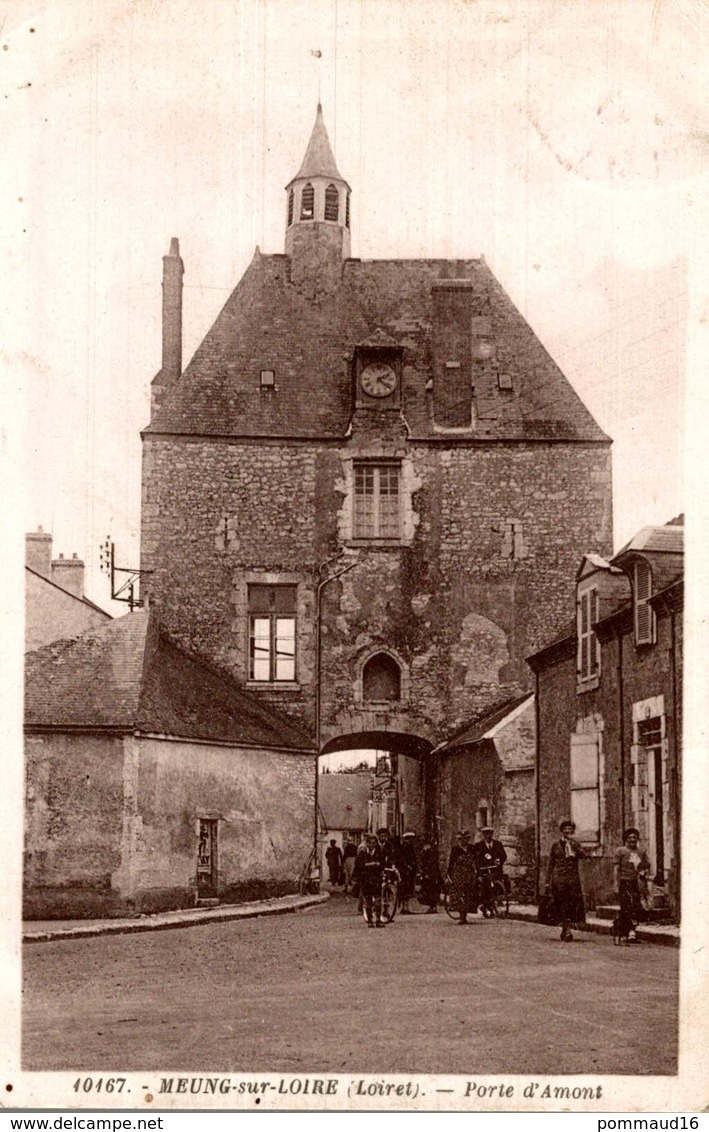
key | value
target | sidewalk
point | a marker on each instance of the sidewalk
(668, 935)
(42, 931)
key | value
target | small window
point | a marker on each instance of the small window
(332, 203)
(381, 679)
(290, 208)
(272, 633)
(347, 211)
(644, 614)
(377, 512)
(268, 378)
(307, 203)
(588, 658)
(504, 381)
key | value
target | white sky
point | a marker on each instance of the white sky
(566, 141)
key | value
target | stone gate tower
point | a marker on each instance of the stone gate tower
(397, 419)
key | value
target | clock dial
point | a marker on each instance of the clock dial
(378, 379)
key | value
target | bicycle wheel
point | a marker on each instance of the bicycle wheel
(501, 899)
(451, 911)
(390, 898)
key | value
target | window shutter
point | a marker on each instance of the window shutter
(332, 203)
(585, 793)
(644, 618)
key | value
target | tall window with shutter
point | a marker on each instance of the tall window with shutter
(644, 613)
(307, 203)
(588, 654)
(332, 203)
(585, 786)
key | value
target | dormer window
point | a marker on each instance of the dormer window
(307, 203)
(290, 207)
(644, 615)
(332, 203)
(588, 654)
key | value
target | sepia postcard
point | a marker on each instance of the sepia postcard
(355, 366)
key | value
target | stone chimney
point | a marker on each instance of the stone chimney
(69, 574)
(172, 271)
(38, 552)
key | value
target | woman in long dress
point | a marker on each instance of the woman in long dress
(462, 876)
(564, 881)
(407, 867)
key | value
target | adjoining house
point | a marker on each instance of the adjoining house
(609, 690)
(154, 781)
(55, 603)
(343, 809)
(485, 776)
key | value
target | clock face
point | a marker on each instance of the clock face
(378, 379)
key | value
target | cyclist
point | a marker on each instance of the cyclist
(490, 856)
(368, 871)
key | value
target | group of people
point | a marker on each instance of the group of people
(471, 868)
(631, 867)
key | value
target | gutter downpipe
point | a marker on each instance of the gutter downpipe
(318, 666)
(621, 726)
(537, 787)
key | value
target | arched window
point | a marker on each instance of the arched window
(332, 203)
(381, 679)
(347, 212)
(307, 203)
(290, 208)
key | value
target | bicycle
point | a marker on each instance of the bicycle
(388, 895)
(309, 881)
(493, 893)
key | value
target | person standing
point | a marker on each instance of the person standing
(408, 868)
(462, 877)
(333, 856)
(490, 856)
(631, 866)
(368, 871)
(431, 880)
(564, 881)
(348, 862)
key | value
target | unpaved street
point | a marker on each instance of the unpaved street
(317, 991)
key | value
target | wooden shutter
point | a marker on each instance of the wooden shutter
(585, 787)
(644, 616)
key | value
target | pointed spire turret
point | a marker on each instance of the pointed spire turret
(319, 160)
(318, 216)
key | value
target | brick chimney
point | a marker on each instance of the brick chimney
(69, 574)
(172, 271)
(38, 552)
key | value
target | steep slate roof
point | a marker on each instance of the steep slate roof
(129, 676)
(267, 323)
(343, 798)
(481, 727)
(319, 160)
(668, 539)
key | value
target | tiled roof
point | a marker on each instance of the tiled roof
(668, 539)
(342, 799)
(128, 675)
(268, 324)
(480, 728)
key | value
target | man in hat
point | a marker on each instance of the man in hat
(368, 870)
(490, 856)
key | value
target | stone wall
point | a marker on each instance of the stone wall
(112, 822)
(461, 605)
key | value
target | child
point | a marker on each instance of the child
(630, 869)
